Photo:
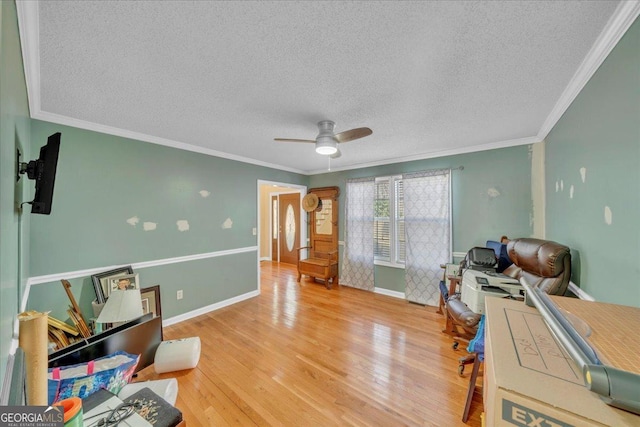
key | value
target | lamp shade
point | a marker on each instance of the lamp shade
(122, 306)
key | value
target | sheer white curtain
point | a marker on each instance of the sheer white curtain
(427, 215)
(357, 261)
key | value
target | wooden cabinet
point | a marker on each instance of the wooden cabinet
(321, 259)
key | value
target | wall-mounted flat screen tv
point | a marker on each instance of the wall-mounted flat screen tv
(43, 171)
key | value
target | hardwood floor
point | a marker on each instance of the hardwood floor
(302, 355)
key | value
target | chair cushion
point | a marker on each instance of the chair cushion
(462, 315)
(541, 263)
(540, 257)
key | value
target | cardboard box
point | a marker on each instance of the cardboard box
(529, 380)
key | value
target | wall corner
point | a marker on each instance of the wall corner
(538, 184)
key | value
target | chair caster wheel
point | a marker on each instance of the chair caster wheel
(455, 345)
(460, 370)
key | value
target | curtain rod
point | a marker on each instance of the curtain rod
(459, 168)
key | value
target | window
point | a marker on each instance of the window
(389, 237)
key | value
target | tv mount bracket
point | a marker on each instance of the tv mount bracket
(31, 168)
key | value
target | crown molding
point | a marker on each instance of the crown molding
(110, 130)
(435, 154)
(29, 28)
(622, 18)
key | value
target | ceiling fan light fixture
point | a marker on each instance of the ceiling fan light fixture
(326, 145)
(327, 140)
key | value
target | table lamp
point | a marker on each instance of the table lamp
(122, 306)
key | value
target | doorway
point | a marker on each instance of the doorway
(273, 201)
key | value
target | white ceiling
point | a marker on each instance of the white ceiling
(225, 78)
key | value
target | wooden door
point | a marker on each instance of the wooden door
(289, 227)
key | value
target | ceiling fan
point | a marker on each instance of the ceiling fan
(327, 140)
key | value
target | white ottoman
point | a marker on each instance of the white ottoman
(176, 355)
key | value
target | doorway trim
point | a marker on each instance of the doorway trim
(302, 189)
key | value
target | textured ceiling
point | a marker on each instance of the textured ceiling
(225, 78)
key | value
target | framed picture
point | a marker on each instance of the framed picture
(123, 283)
(145, 305)
(151, 300)
(101, 280)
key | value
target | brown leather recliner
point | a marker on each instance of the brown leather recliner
(543, 263)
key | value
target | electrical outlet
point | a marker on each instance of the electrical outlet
(179, 295)
(254, 231)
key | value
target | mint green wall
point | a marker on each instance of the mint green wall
(14, 133)
(601, 133)
(103, 180)
(51, 297)
(389, 278)
(477, 217)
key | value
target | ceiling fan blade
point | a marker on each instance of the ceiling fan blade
(350, 135)
(293, 140)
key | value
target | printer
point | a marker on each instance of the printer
(477, 284)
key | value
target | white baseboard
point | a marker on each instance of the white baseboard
(579, 292)
(6, 383)
(389, 293)
(204, 310)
